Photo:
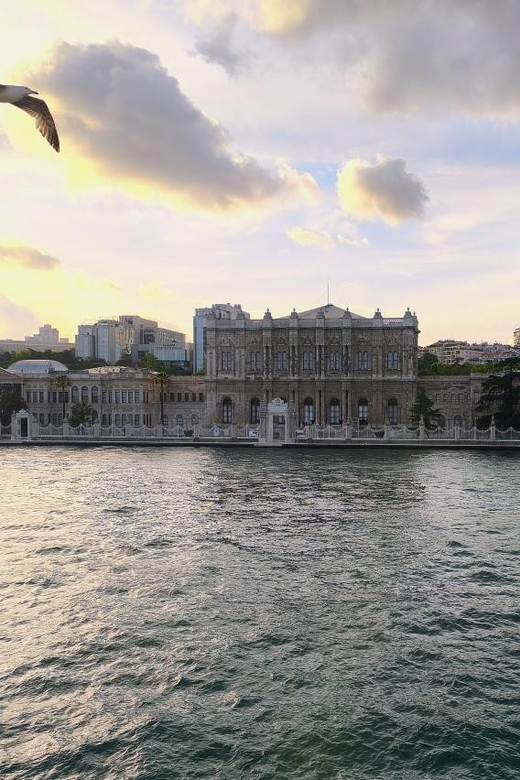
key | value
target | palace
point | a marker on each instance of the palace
(332, 364)
(326, 366)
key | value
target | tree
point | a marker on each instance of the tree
(501, 397)
(82, 413)
(423, 408)
(151, 362)
(62, 382)
(161, 378)
(427, 361)
(10, 401)
(125, 359)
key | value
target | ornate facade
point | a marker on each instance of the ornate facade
(326, 366)
(333, 365)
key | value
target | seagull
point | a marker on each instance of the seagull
(21, 98)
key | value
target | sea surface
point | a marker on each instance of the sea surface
(194, 613)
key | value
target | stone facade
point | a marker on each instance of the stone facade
(333, 365)
(328, 365)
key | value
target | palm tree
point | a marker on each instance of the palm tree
(61, 382)
(82, 413)
(161, 378)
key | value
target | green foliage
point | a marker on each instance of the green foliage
(427, 360)
(446, 369)
(81, 413)
(200, 372)
(151, 362)
(125, 359)
(423, 408)
(10, 401)
(501, 397)
(67, 357)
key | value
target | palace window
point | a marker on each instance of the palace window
(227, 411)
(118, 420)
(254, 415)
(254, 360)
(392, 411)
(308, 411)
(392, 361)
(194, 396)
(194, 419)
(186, 396)
(363, 411)
(201, 396)
(75, 394)
(281, 361)
(334, 411)
(117, 396)
(309, 360)
(95, 394)
(335, 360)
(226, 362)
(363, 361)
(136, 420)
(84, 393)
(179, 421)
(124, 396)
(136, 396)
(179, 397)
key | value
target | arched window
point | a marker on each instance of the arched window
(227, 411)
(95, 394)
(84, 393)
(363, 411)
(392, 409)
(254, 360)
(392, 361)
(194, 419)
(335, 360)
(136, 420)
(308, 411)
(254, 416)
(363, 361)
(179, 421)
(457, 420)
(75, 394)
(201, 396)
(166, 421)
(117, 420)
(186, 396)
(334, 412)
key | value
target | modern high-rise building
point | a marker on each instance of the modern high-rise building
(132, 336)
(218, 311)
(516, 337)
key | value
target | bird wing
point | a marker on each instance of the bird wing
(44, 122)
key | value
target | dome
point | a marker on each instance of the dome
(37, 367)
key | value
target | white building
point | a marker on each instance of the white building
(133, 336)
(46, 338)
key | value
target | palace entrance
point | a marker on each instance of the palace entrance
(277, 422)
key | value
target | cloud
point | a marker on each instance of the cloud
(383, 189)
(15, 319)
(121, 112)
(405, 56)
(217, 47)
(26, 257)
(323, 239)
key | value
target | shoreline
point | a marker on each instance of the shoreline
(301, 445)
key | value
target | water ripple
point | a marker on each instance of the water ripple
(259, 614)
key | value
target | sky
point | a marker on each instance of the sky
(256, 152)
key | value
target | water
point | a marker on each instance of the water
(259, 614)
